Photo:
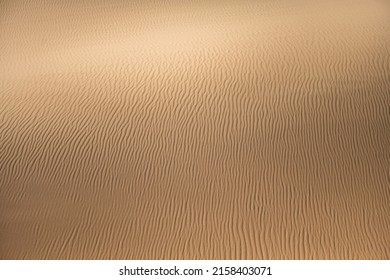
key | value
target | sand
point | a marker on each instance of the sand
(195, 129)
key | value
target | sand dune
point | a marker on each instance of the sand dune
(195, 129)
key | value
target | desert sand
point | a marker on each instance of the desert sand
(195, 129)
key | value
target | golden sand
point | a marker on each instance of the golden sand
(195, 129)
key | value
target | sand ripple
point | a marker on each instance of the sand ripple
(195, 129)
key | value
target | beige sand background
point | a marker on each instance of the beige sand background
(195, 129)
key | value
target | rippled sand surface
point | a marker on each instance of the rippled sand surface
(195, 129)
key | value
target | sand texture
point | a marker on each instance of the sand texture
(195, 129)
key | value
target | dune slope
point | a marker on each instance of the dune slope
(195, 129)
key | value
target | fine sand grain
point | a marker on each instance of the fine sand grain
(195, 129)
